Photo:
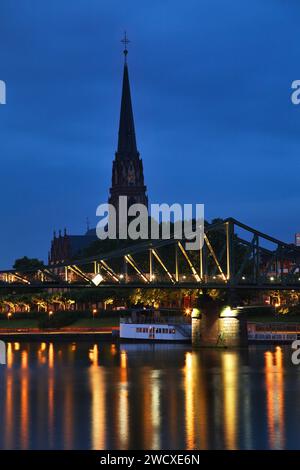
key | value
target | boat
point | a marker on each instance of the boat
(277, 332)
(155, 326)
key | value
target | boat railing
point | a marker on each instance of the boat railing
(144, 319)
(274, 326)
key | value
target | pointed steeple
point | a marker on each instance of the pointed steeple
(126, 141)
(127, 172)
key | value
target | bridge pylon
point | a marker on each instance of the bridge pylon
(219, 323)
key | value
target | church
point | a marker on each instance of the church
(127, 178)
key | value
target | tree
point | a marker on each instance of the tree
(27, 263)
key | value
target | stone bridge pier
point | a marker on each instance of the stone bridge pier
(218, 323)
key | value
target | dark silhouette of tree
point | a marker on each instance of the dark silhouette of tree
(27, 263)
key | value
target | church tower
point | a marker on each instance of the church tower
(127, 173)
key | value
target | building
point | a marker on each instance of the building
(297, 239)
(127, 178)
(66, 247)
(127, 173)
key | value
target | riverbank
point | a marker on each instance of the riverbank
(31, 323)
(107, 329)
(63, 334)
(104, 329)
(58, 336)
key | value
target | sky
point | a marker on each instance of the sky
(211, 87)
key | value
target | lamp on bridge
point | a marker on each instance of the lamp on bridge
(228, 312)
(97, 279)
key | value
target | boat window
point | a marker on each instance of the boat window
(260, 336)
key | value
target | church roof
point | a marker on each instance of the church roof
(127, 141)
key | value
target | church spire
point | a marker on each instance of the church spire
(127, 172)
(126, 141)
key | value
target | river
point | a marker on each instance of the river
(83, 395)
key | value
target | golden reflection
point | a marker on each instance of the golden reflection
(155, 408)
(51, 356)
(275, 397)
(9, 356)
(43, 346)
(9, 409)
(93, 355)
(41, 357)
(97, 382)
(230, 366)
(24, 359)
(17, 346)
(189, 402)
(51, 394)
(123, 360)
(24, 429)
(123, 408)
(196, 405)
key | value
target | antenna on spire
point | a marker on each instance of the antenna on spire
(87, 224)
(125, 41)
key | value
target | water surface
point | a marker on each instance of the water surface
(148, 396)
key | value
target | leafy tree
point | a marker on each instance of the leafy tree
(27, 263)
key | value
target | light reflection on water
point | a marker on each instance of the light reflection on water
(105, 396)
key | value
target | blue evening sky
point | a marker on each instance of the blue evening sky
(210, 84)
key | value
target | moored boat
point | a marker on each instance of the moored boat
(278, 332)
(150, 325)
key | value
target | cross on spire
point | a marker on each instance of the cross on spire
(125, 41)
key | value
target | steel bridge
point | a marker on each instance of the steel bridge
(233, 255)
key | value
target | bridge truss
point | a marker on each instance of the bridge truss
(233, 255)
